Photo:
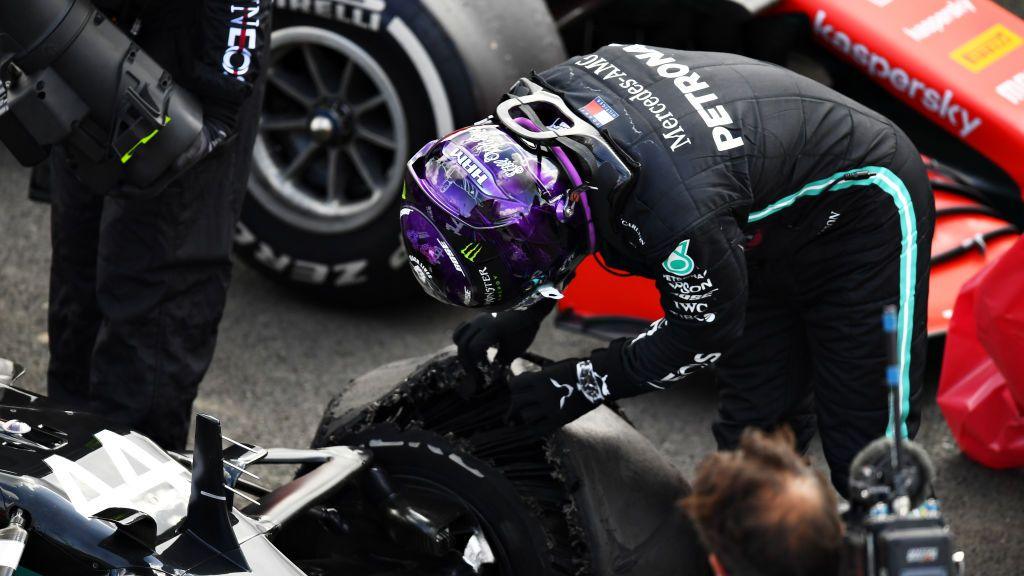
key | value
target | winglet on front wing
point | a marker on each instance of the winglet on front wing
(209, 508)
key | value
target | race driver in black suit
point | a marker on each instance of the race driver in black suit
(138, 284)
(776, 216)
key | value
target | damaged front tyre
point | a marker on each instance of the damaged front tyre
(505, 500)
(486, 526)
(596, 498)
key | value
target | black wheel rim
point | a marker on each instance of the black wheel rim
(332, 140)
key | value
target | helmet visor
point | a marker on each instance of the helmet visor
(483, 177)
(433, 263)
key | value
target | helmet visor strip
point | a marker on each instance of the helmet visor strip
(482, 177)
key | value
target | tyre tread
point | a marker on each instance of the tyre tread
(427, 400)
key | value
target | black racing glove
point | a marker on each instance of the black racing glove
(214, 135)
(220, 122)
(218, 131)
(560, 393)
(511, 332)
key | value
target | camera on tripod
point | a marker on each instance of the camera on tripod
(895, 525)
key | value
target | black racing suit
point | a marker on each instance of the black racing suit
(138, 285)
(777, 217)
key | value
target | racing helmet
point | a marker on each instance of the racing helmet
(495, 215)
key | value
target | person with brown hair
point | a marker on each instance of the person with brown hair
(762, 510)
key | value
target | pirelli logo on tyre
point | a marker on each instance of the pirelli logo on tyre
(986, 48)
(365, 14)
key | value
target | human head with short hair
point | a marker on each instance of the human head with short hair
(762, 510)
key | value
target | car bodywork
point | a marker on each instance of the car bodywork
(624, 494)
(102, 499)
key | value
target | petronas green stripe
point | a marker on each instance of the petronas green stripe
(889, 183)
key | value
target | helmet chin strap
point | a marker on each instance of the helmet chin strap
(574, 179)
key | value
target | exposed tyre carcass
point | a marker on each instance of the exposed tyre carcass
(597, 498)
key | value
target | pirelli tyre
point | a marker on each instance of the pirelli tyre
(355, 87)
(595, 499)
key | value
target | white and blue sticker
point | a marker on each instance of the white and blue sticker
(598, 112)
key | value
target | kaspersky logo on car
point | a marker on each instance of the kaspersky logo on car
(942, 104)
(678, 262)
(937, 22)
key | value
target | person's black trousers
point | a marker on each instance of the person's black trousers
(137, 287)
(813, 352)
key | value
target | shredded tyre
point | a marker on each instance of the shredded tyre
(520, 484)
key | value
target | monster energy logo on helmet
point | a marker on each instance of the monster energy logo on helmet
(491, 285)
(678, 262)
(471, 251)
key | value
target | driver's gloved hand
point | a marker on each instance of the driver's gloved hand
(560, 393)
(511, 332)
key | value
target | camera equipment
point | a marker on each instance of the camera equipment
(69, 75)
(895, 526)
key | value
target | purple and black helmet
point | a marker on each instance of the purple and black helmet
(488, 223)
(496, 215)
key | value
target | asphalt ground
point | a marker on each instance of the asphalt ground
(280, 359)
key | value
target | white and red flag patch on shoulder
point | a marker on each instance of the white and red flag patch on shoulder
(599, 112)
